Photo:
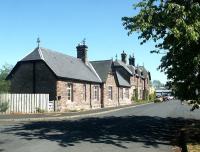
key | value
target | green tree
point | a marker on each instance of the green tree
(4, 71)
(174, 26)
(157, 84)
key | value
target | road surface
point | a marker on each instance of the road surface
(147, 128)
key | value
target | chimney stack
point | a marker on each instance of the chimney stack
(132, 60)
(82, 51)
(123, 57)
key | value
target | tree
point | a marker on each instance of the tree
(157, 84)
(174, 26)
(4, 71)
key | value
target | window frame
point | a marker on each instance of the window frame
(126, 92)
(70, 92)
(84, 92)
(110, 92)
(96, 92)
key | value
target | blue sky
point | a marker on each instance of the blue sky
(62, 24)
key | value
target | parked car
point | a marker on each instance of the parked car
(165, 98)
(170, 97)
(158, 99)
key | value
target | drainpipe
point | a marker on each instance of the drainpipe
(102, 95)
(90, 96)
(118, 96)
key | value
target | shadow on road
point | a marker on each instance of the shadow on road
(151, 131)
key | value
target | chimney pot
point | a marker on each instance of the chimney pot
(123, 57)
(82, 52)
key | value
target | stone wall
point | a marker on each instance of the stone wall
(123, 100)
(80, 99)
(133, 81)
(117, 98)
(140, 88)
(110, 82)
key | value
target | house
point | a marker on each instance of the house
(77, 83)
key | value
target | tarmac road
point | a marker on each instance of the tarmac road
(147, 128)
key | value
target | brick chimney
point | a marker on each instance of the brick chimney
(132, 60)
(123, 57)
(82, 51)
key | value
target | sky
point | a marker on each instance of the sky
(62, 24)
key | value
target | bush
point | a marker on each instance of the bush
(39, 110)
(152, 96)
(146, 94)
(157, 100)
(4, 107)
(135, 95)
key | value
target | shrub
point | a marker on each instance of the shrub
(135, 95)
(4, 106)
(39, 110)
(146, 94)
(157, 101)
(152, 96)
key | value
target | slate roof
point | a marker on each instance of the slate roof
(137, 71)
(144, 71)
(64, 66)
(122, 81)
(102, 68)
(119, 63)
(132, 69)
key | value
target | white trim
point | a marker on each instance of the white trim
(40, 52)
(92, 68)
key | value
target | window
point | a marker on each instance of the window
(110, 94)
(127, 93)
(140, 94)
(69, 92)
(121, 93)
(96, 92)
(84, 92)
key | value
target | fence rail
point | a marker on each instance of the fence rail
(25, 103)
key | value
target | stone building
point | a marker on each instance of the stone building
(77, 83)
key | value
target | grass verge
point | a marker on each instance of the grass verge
(141, 102)
(192, 133)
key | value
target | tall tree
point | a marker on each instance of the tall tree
(157, 84)
(4, 71)
(174, 25)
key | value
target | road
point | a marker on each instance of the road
(147, 128)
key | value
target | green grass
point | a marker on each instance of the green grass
(138, 102)
(192, 136)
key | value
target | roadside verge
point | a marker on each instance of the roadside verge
(66, 115)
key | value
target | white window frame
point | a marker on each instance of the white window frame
(126, 92)
(69, 92)
(110, 92)
(84, 92)
(96, 92)
(121, 93)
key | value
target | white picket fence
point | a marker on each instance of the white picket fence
(26, 103)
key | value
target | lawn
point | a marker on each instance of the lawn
(192, 135)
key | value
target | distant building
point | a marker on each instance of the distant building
(162, 92)
(77, 83)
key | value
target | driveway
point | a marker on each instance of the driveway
(147, 128)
